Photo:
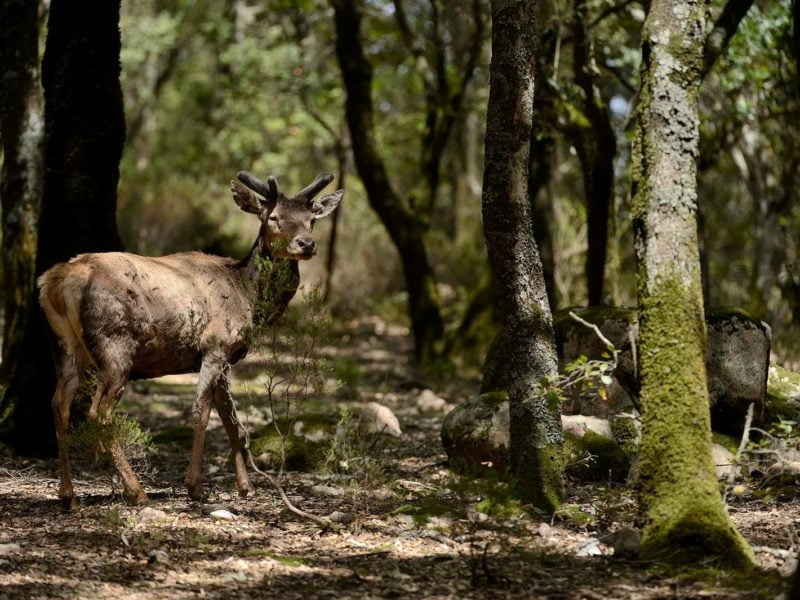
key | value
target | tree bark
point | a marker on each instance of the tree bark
(85, 133)
(536, 436)
(684, 517)
(596, 145)
(405, 229)
(22, 131)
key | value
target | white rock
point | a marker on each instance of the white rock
(6, 549)
(158, 557)
(376, 418)
(723, 460)
(222, 515)
(326, 490)
(578, 425)
(151, 515)
(428, 401)
(590, 547)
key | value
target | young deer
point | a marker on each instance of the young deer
(139, 317)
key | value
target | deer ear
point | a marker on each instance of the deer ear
(245, 199)
(322, 207)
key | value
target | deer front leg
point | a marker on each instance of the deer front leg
(227, 413)
(207, 383)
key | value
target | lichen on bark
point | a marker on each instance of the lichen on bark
(684, 517)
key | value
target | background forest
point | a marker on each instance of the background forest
(429, 397)
(212, 88)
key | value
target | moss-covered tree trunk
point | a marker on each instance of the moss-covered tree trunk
(536, 436)
(84, 133)
(684, 517)
(22, 132)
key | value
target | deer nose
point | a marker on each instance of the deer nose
(307, 245)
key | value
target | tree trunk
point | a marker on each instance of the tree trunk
(22, 130)
(85, 133)
(405, 229)
(536, 436)
(596, 145)
(684, 517)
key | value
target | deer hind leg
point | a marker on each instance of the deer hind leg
(70, 367)
(109, 391)
(227, 413)
(207, 383)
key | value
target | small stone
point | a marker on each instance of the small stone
(376, 418)
(151, 515)
(338, 516)
(544, 530)
(475, 516)
(326, 490)
(591, 547)
(428, 401)
(6, 549)
(222, 515)
(158, 557)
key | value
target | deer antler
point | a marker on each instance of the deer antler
(315, 187)
(269, 189)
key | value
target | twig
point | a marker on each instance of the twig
(599, 333)
(275, 482)
(740, 450)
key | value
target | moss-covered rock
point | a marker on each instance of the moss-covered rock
(783, 394)
(737, 355)
(306, 438)
(475, 436)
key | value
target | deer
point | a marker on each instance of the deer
(138, 317)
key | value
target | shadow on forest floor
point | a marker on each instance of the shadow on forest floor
(414, 531)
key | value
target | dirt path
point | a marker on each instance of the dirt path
(414, 531)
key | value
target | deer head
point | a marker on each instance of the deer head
(287, 224)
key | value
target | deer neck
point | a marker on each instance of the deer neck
(272, 281)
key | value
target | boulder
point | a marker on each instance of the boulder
(738, 355)
(475, 436)
(783, 394)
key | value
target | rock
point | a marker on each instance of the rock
(590, 547)
(737, 365)
(326, 490)
(376, 419)
(578, 425)
(475, 436)
(307, 437)
(151, 515)
(625, 542)
(428, 402)
(222, 515)
(6, 549)
(723, 460)
(783, 394)
(158, 557)
(738, 352)
(338, 516)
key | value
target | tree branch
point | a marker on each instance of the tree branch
(724, 28)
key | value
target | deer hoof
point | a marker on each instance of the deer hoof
(195, 491)
(245, 489)
(69, 503)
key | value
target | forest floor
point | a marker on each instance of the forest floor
(413, 530)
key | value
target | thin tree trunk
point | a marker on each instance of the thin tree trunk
(684, 517)
(597, 146)
(22, 130)
(85, 133)
(330, 262)
(536, 435)
(405, 229)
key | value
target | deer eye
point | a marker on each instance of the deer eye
(273, 218)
